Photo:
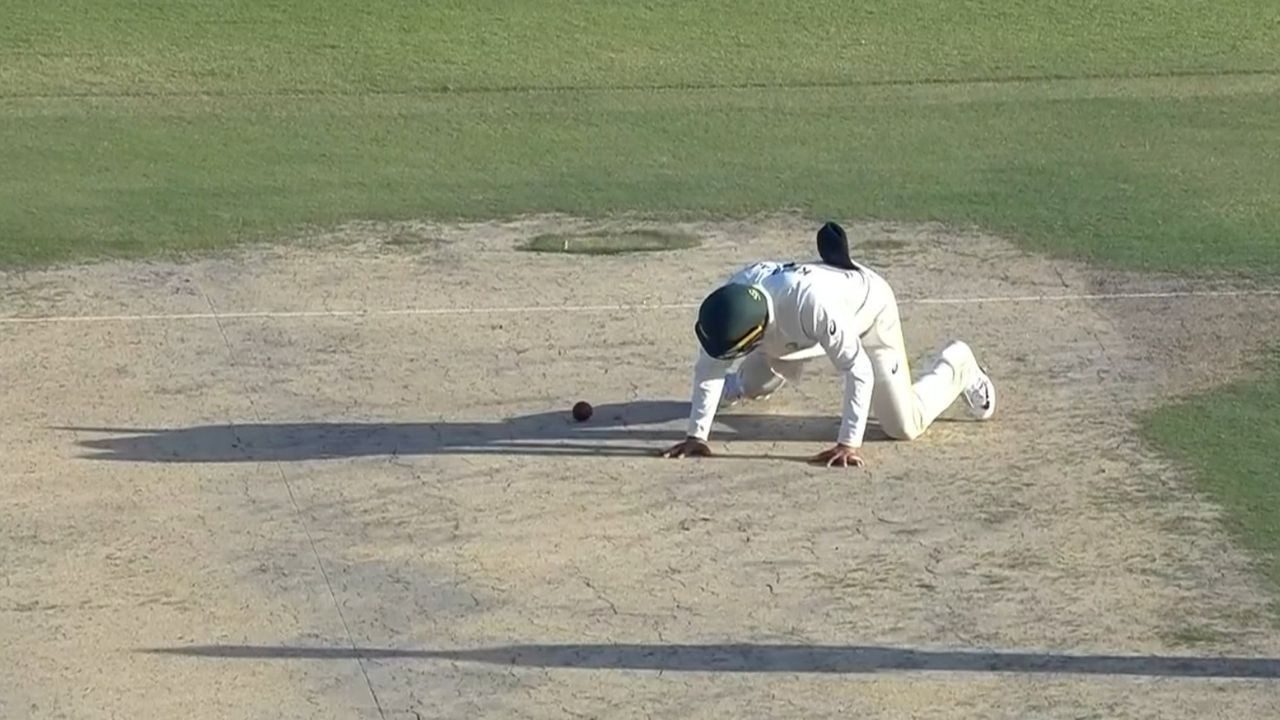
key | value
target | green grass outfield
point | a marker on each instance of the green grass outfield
(1141, 133)
(133, 126)
(1229, 438)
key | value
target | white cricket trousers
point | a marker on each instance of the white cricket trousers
(903, 409)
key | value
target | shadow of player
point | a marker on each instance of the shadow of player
(613, 430)
(759, 658)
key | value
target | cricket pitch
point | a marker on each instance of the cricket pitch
(340, 480)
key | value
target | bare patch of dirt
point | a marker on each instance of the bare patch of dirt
(393, 513)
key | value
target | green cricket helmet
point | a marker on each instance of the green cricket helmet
(731, 321)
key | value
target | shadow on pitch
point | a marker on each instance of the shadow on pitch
(612, 430)
(753, 658)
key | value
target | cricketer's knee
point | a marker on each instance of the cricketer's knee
(759, 377)
(893, 400)
(894, 403)
(901, 431)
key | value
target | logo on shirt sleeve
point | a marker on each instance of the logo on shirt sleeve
(831, 328)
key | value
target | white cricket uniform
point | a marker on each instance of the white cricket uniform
(851, 316)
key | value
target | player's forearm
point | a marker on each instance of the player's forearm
(858, 382)
(854, 424)
(708, 384)
(706, 397)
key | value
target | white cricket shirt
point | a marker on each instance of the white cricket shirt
(809, 303)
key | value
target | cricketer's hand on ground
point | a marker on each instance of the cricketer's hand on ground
(689, 447)
(839, 456)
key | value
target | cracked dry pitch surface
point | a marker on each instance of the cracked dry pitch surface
(255, 496)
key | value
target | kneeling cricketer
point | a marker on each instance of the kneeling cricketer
(777, 317)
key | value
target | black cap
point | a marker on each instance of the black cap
(833, 246)
(731, 321)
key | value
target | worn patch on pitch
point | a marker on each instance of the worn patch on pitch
(604, 242)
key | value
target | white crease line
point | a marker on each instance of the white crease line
(1096, 296)
(408, 312)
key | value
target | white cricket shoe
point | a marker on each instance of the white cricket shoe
(981, 397)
